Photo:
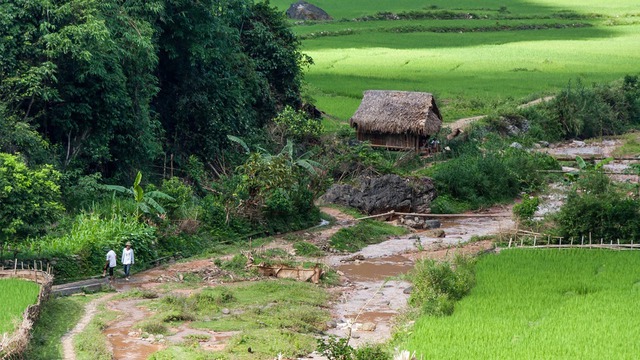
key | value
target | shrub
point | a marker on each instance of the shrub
(600, 211)
(291, 123)
(584, 112)
(182, 195)
(483, 179)
(524, 210)
(438, 285)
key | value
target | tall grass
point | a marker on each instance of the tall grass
(15, 296)
(532, 304)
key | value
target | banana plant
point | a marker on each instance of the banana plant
(145, 201)
(585, 166)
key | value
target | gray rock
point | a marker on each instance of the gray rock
(302, 10)
(435, 233)
(381, 194)
(408, 290)
(226, 311)
(431, 224)
(368, 326)
(544, 144)
(516, 145)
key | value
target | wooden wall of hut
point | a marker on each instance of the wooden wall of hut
(392, 141)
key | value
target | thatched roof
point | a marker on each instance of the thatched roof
(397, 112)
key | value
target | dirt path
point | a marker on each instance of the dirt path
(464, 123)
(126, 343)
(90, 311)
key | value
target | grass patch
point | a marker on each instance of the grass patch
(364, 233)
(15, 296)
(137, 293)
(304, 248)
(630, 146)
(272, 316)
(91, 344)
(521, 308)
(58, 316)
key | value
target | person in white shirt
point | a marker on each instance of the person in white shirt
(127, 259)
(110, 265)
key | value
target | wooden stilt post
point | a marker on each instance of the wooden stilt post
(510, 240)
(535, 238)
(572, 241)
(560, 241)
(582, 241)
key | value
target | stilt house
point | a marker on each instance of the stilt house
(397, 119)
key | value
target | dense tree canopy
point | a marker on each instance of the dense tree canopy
(107, 82)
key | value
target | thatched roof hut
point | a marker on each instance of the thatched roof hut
(397, 119)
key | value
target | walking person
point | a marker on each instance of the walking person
(110, 265)
(127, 259)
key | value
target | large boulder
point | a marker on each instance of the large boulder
(302, 10)
(380, 194)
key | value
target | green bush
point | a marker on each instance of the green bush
(182, 195)
(291, 123)
(485, 178)
(438, 285)
(525, 210)
(585, 112)
(81, 251)
(601, 212)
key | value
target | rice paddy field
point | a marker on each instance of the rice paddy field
(473, 56)
(15, 296)
(541, 304)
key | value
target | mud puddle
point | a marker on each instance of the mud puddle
(376, 269)
(127, 343)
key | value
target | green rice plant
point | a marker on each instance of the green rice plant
(539, 304)
(364, 233)
(15, 296)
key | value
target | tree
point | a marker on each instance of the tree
(83, 71)
(30, 198)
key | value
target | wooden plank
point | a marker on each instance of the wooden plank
(455, 215)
